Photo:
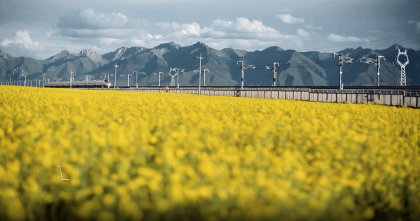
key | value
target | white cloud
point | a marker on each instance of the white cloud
(104, 32)
(87, 28)
(244, 44)
(416, 23)
(313, 27)
(101, 33)
(338, 38)
(190, 29)
(302, 33)
(21, 39)
(153, 36)
(88, 19)
(86, 23)
(242, 28)
(182, 30)
(242, 33)
(288, 19)
(106, 44)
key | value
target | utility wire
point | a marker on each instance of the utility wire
(315, 60)
(378, 42)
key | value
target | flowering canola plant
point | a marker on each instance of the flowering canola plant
(164, 156)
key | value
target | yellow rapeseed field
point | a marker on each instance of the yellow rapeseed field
(164, 156)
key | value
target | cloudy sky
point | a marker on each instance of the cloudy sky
(42, 28)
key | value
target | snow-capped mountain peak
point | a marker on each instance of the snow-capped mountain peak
(89, 53)
(119, 53)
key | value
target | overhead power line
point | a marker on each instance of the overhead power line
(379, 42)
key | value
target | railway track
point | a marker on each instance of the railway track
(407, 88)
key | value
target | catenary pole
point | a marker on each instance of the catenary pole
(341, 61)
(243, 67)
(274, 72)
(204, 76)
(43, 79)
(115, 74)
(199, 76)
(159, 73)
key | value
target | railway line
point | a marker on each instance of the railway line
(407, 88)
(387, 95)
(400, 88)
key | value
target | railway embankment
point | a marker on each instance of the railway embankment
(394, 97)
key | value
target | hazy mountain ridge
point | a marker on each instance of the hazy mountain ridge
(296, 68)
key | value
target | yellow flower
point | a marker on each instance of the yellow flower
(108, 199)
(86, 209)
(369, 213)
(300, 175)
(106, 216)
(98, 190)
(2, 174)
(125, 152)
(15, 210)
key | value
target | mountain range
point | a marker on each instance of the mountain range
(295, 69)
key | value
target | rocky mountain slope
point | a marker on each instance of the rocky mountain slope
(296, 68)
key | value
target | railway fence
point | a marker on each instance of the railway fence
(394, 96)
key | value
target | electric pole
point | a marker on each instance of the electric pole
(159, 73)
(377, 63)
(23, 74)
(199, 77)
(172, 78)
(137, 73)
(43, 80)
(106, 78)
(115, 81)
(274, 72)
(178, 74)
(128, 78)
(403, 81)
(177, 71)
(71, 78)
(340, 64)
(204, 76)
(243, 67)
(87, 78)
